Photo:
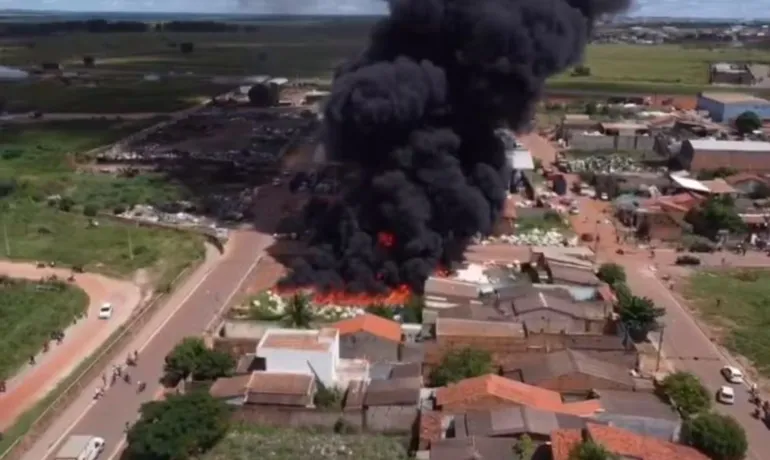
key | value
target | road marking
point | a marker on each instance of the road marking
(155, 333)
(122, 443)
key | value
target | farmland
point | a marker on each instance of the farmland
(48, 207)
(30, 312)
(255, 442)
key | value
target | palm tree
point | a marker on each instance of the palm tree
(297, 313)
(639, 315)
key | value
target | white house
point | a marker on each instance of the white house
(308, 352)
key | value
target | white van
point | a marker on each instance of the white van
(81, 447)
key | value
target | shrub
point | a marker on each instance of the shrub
(66, 204)
(687, 260)
(687, 392)
(90, 210)
(718, 436)
(612, 274)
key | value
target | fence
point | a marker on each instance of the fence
(98, 360)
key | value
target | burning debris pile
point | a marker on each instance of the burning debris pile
(416, 113)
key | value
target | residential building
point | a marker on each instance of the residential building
(551, 310)
(513, 422)
(369, 337)
(390, 405)
(726, 107)
(728, 73)
(709, 154)
(572, 275)
(266, 388)
(623, 443)
(747, 183)
(309, 352)
(473, 447)
(493, 336)
(493, 391)
(574, 372)
(643, 413)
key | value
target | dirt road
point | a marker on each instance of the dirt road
(33, 382)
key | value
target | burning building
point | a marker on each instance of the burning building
(416, 114)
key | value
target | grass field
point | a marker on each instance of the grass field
(744, 313)
(38, 161)
(313, 50)
(113, 96)
(254, 442)
(30, 312)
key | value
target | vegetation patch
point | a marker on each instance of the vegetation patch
(738, 303)
(258, 442)
(31, 312)
(49, 210)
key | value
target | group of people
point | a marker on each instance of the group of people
(120, 371)
(762, 407)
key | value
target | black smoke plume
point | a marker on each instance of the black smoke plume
(416, 113)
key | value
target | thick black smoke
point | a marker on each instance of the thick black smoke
(417, 114)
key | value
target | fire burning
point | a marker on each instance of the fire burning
(386, 240)
(395, 297)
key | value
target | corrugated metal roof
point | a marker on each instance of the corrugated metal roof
(733, 98)
(393, 392)
(689, 184)
(729, 146)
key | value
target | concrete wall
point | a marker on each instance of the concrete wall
(580, 141)
(363, 345)
(317, 363)
(386, 419)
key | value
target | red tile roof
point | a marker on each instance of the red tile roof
(513, 392)
(621, 442)
(373, 324)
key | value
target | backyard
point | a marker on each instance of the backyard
(51, 212)
(737, 304)
(256, 443)
(30, 312)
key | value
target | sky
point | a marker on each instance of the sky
(746, 9)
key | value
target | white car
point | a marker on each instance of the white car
(732, 374)
(726, 395)
(105, 311)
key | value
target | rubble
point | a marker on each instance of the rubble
(535, 237)
(604, 164)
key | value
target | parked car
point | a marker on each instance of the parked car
(732, 374)
(687, 260)
(726, 395)
(105, 311)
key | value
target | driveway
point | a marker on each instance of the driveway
(33, 382)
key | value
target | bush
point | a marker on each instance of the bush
(66, 204)
(687, 392)
(90, 210)
(461, 364)
(687, 260)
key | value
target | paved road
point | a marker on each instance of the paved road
(690, 349)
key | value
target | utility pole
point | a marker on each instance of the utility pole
(7, 242)
(660, 348)
(130, 244)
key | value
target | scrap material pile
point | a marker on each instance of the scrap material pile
(604, 164)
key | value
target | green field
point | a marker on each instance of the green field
(112, 96)
(30, 312)
(255, 442)
(44, 200)
(743, 314)
(313, 50)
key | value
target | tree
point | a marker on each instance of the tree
(612, 273)
(412, 310)
(186, 47)
(687, 392)
(639, 315)
(88, 61)
(181, 427)
(90, 210)
(524, 448)
(591, 108)
(718, 436)
(461, 364)
(191, 358)
(716, 213)
(581, 71)
(297, 313)
(380, 310)
(589, 450)
(747, 122)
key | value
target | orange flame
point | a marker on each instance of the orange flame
(386, 240)
(395, 297)
(442, 272)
